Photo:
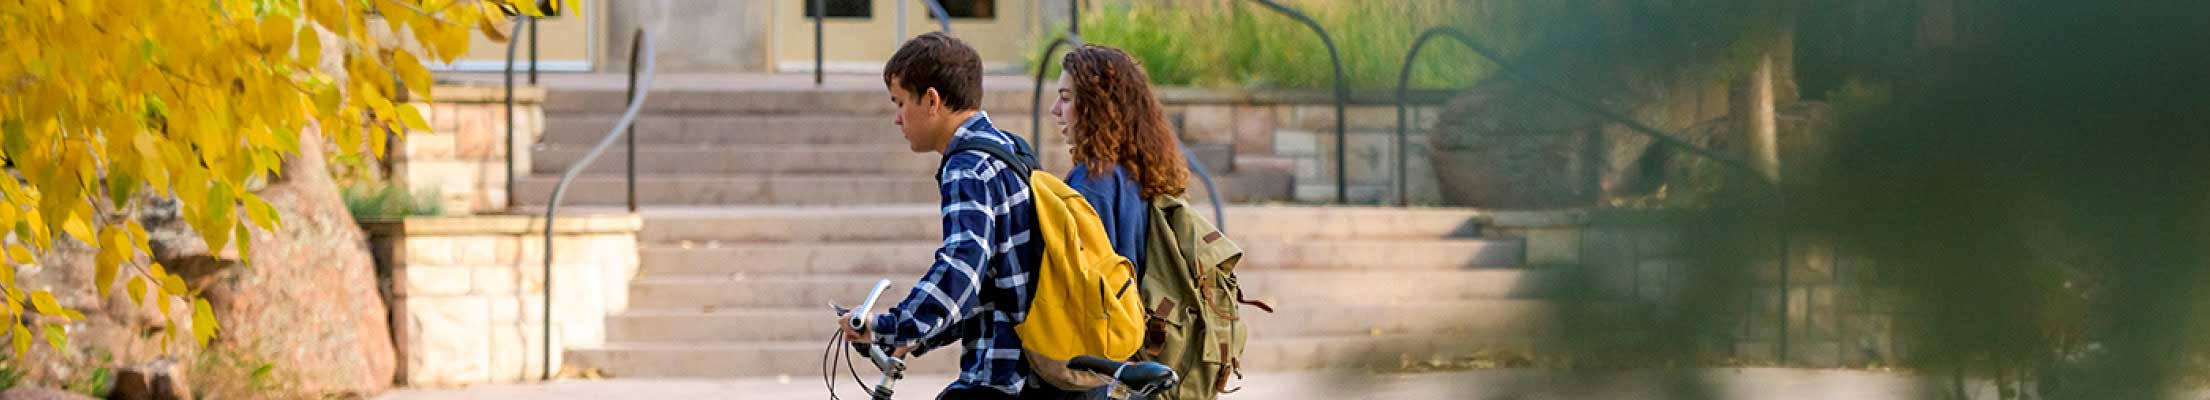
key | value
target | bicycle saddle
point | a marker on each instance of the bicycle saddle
(1142, 376)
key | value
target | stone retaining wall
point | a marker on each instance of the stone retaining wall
(467, 293)
(1293, 132)
(1835, 317)
(462, 157)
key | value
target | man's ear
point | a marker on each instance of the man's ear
(932, 100)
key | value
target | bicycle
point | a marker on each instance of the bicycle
(1140, 380)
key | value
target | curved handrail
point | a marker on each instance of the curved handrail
(943, 19)
(1772, 187)
(1342, 95)
(1404, 80)
(1219, 214)
(1043, 63)
(1036, 129)
(1036, 115)
(509, 86)
(641, 52)
(1036, 100)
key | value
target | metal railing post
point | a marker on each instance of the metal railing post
(820, 18)
(1342, 96)
(630, 134)
(509, 87)
(533, 51)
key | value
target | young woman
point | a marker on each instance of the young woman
(1125, 153)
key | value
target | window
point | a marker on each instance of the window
(975, 9)
(862, 9)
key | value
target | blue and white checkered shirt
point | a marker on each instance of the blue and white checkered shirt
(979, 286)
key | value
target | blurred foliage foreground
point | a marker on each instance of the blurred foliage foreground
(2036, 194)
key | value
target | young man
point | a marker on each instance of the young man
(979, 286)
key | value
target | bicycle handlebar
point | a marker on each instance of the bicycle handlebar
(857, 318)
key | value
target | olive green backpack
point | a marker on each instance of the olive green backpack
(1190, 292)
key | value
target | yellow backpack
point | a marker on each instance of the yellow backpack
(1086, 301)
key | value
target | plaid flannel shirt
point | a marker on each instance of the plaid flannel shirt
(979, 286)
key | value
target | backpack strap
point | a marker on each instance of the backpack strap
(1021, 159)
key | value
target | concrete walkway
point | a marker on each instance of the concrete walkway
(721, 81)
(1754, 383)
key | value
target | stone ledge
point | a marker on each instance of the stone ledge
(507, 225)
(1538, 219)
(1190, 95)
(450, 93)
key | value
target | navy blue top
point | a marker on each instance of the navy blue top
(1120, 204)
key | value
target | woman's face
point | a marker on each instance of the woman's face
(1063, 107)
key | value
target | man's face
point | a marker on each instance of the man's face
(916, 118)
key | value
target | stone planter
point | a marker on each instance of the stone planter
(467, 293)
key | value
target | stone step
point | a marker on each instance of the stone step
(1219, 157)
(739, 291)
(1481, 318)
(748, 130)
(1364, 352)
(803, 359)
(743, 160)
(1246, 188)
(807, 100)
(798, 359)
(811, 190)
(923, 223)
(906, 258)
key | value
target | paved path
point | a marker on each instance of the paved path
(720, 81)
(1755, 383)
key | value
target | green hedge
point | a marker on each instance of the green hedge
(1239, 44)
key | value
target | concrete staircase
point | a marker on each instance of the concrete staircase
(761, 207)
(744, 291)
(783, 147)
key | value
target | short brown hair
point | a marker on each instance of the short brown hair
(936, 60)
(1117, 121)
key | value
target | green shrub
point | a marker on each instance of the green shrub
(1245, 45)
(374, 201)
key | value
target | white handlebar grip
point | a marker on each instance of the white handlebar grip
(858, 318)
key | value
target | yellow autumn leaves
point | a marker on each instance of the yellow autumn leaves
(198, 101)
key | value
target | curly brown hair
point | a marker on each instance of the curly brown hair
(1118, 122)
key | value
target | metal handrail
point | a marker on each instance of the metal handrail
(1036, 116)
(1036, 100)
(943, 19)
(641, 53)
(519, 22)
(1043, 64)
(1585, 105)
(1219, 214)
(532, 51)
(1342, 95)
(820, 20)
